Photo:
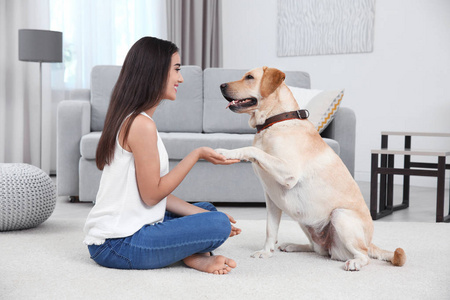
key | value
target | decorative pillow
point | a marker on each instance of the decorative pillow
(322, 105)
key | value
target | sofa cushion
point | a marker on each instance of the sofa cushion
(103, 79)
(218, 119)
(178, 145)
(181, 115)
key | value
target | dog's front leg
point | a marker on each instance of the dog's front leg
(281, 170)
(273, 223)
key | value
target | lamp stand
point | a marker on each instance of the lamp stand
(40, 46)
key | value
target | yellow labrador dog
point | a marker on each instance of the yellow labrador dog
(302, 175)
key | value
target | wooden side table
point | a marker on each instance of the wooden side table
(386, 170)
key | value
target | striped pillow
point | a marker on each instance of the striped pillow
(322, 105)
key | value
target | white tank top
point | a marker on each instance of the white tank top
(119, 210)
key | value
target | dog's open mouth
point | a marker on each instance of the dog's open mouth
(236, 104)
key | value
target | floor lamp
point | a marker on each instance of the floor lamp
(40, 46)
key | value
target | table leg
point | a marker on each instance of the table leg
(383, 177)
(440, 189)
(406, 178)
(390, 184)
(374, 187)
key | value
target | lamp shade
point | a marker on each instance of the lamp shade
(40, 45)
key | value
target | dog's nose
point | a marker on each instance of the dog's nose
(223, 86)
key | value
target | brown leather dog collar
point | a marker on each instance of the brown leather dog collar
(296, 114)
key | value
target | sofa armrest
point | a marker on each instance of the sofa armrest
(343, 130)
(73, 121)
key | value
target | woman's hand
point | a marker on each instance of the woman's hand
(234, 230)
(212, 156)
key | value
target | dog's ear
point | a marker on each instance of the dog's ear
(270, 81)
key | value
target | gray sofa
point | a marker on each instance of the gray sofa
(196, 118)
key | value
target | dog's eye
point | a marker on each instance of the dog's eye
(249, 77)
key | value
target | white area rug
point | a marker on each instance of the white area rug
(50, 262)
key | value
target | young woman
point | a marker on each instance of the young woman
(136, 222)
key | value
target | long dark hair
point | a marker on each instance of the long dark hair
(140, 86)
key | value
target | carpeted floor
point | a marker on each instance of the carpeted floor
(50, 262)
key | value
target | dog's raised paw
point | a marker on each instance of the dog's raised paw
(229, 154)
(262, 254)
(221, 151)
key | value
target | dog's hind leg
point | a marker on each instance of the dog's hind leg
(349, 241)
(288, 247)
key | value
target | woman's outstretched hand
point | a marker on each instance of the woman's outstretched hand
(212, 156)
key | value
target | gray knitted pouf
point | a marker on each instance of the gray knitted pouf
(27, 196)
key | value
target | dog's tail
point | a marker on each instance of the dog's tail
(397, 258)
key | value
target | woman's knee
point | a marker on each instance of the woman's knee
(221, 224)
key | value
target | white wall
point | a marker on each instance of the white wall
(403, 85)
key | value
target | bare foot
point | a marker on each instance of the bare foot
(210, 264)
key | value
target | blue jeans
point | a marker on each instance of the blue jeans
(162, 244)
